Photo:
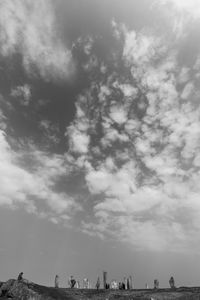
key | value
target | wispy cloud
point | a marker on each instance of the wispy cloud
(192, 7)
(22, 93)
(135, 136)
(181, 13)
(28, 179)
(143, 156)
(29, 28)
(50, 131)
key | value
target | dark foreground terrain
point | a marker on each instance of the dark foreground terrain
(12, 289)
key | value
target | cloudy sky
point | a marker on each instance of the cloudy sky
(100, 140)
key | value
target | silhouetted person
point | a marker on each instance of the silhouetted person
(98, 283)
(156, 284)
(126, 283)
(107, 286)
(20, 276)
(57, 281)
(172, 283)
(72, 282)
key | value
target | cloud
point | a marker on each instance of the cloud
(29, 28)
(28, 180)
(187, 91)
(91, 64)
(135, 137)
(86, 44)
(181, 14)
(142, 161)
(118, 114)
(50, 131)
(192, 7)
(128, 90)
(23, 93)
(78, 140)
(3, 118)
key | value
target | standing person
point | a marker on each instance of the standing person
(20, 276)
(98, 283)
(57, 281)
(126, 283)
(156, 284)
(71, 282)
(172, 282)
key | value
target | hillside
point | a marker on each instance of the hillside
(30, 291)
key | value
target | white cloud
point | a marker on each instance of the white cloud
(86, 43)
(146, 140)
(78, 140)
(141, 48)
(91, 64)
(136, 133)
(29, 27)
(3, 118)
(33, 187)
(117, 29)
(111, 136)
(23, 93)
(181, 14)
(104, 92)
(184, 75)
(50, 131)
(185, 6)
(118, 114)
(128, 90)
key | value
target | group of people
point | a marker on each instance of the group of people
(171, 283)
(73, 283)
(127, 284)
(124, 285)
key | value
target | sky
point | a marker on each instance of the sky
(100, 140)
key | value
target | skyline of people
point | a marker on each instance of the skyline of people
(126, 284)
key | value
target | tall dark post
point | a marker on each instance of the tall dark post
(104, 279)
